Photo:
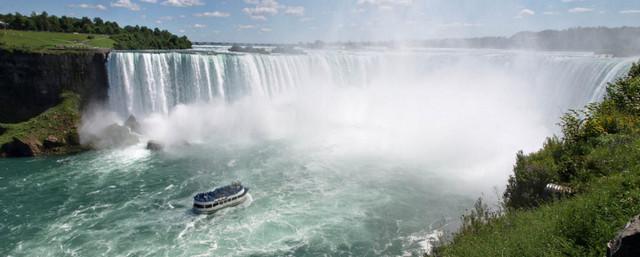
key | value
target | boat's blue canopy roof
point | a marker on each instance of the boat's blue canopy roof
(217, 193)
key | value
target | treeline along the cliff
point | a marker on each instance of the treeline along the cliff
(623, 41)
(127, 38)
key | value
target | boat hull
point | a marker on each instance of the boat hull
(211, 207)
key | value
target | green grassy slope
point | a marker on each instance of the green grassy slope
(42, 41)
(598, 156)
(60, 121)
(579, 226)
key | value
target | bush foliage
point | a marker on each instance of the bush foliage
(598, 156)
(569, 160)
(579, 226)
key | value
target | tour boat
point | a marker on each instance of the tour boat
(220, 198)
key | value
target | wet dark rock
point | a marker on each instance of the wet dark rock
(627, 242)
(155, 146)
(73, 138)
(115, 135)
(133, 124)
(52, 142)
(31, 83)
(248, 49)
(17, 148)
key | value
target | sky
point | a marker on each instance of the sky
(291, 21)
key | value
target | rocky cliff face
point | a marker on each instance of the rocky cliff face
(31, 83)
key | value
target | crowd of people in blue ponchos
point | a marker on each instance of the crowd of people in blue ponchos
(218, 193)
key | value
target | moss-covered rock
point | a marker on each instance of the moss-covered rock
(52, 132)
(16, 148)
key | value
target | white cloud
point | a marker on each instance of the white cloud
(199, 26)
(258, 17)
(263, 7)
(126, 4)
(580, 10)
(149, 1)
(265, 30)
(550, 13)
(525, 13)
(88, 6)
(182, 3)
(242, 27)
(213, 14)
(386, 2)
(294, 10)
(630, 12)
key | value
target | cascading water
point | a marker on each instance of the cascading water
(347, 153)
(144, 83)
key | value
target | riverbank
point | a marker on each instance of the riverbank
(598, 156)
(42, 95)
(53, 132)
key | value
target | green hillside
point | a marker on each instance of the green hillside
(40, 32)
(40, 41)
(598, 157)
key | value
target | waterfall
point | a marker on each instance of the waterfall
(154, 82)
(459, 113)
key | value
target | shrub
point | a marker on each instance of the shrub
(625, 92)
(525, 188)
(569, 160)
(578, 227)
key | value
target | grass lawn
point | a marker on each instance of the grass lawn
(579, 227)
(42, 41)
